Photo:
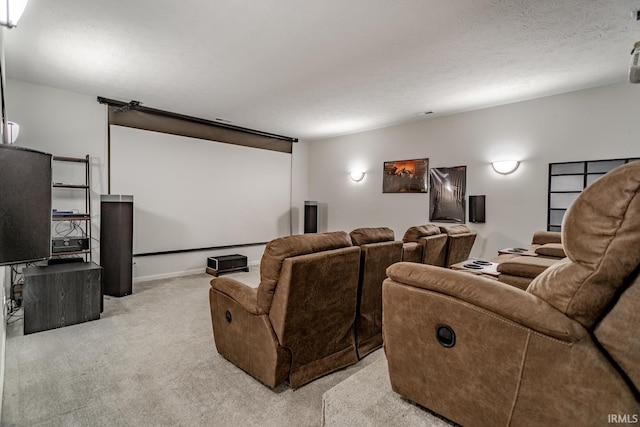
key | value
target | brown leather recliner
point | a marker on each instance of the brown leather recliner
(378, 250)
(425, 244)
(460, 240)
(298, 324)
(564, 352)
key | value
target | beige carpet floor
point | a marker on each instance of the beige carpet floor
(365, 399)
(151, 361)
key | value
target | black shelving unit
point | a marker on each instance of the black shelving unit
(81, 219)
(566, 182)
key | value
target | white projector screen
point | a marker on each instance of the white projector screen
(191, 193)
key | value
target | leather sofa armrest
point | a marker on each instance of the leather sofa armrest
(505, 301)
(526, 266)
(412, 252)
(555, 250)
(244, 295)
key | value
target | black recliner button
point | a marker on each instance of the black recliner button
(446, 336)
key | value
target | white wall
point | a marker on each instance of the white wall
(70, 124)
(592, 124)
(64, 124)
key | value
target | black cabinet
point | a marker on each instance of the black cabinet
(61, 295)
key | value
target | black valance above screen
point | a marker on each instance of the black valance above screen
(136, 116)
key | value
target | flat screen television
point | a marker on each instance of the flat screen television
(25, 205)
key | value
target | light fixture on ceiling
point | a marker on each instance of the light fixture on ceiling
(634, 67)
(356, 176)
(11, 11)
(505, 167)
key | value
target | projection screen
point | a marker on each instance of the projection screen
(192, 193)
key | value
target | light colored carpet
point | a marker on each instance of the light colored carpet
(366, 400)
(150, 361)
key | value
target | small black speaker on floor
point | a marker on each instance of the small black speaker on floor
(476, 208)
(310, 216)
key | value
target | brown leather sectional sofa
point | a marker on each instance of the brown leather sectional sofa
(565, 352)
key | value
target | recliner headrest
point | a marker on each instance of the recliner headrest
(455, 229)
(416, 232)
(363, 236)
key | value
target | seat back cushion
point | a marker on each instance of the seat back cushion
(314, 309)
(601, 237)
(279, 249)
(416, 232)
(362, 236)
(618, 333)
(375, 258)
(459, 243)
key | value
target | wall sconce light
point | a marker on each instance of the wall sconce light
(505, 167)
(13, 129)
(634, 67)
(11, 11)
(356, 176)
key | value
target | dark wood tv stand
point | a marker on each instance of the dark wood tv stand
(61, 295)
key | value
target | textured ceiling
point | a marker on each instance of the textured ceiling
(321, 68)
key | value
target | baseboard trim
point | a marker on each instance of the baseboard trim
(180, 274)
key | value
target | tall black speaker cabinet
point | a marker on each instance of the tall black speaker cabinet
(116, 244)
(25, 205)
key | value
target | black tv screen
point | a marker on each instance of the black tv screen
(25, 205)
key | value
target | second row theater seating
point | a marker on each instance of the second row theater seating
(317, 309)
(436, 245)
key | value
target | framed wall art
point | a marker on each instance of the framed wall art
(405, 176)
(448, 187)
